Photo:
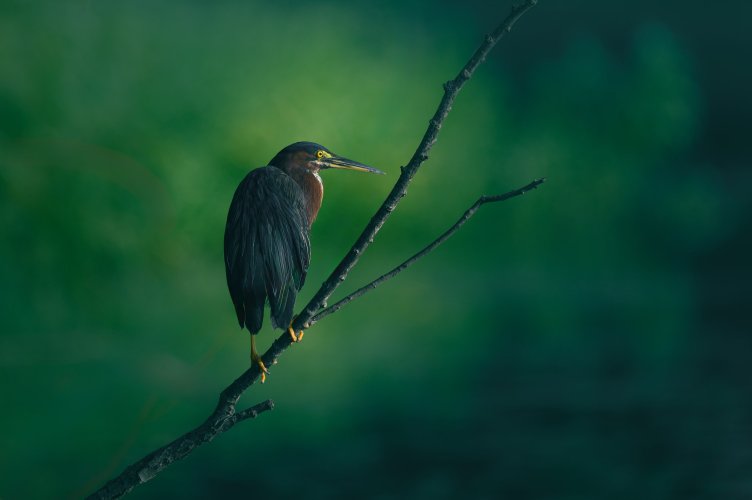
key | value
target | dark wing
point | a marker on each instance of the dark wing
(267, 248)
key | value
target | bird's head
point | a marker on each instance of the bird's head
(314, 157)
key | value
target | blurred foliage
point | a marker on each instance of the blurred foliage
(587, 340)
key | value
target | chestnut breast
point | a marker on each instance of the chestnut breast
(313, 189)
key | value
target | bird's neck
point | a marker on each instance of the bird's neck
(313, 190)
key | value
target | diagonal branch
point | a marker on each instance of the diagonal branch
(221, 420)
(438, 241)
(224, 415)
(451, 89)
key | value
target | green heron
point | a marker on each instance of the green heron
(267, 246)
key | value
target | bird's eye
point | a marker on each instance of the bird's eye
(319, 154)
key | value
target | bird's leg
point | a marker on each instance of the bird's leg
(255, 358)
(291, 331)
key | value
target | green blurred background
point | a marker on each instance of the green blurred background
(588, 340)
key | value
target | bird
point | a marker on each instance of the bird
(267, 246)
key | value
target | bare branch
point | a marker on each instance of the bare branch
(438, 241)
(224, 416)
(221, 420)
(451, 89)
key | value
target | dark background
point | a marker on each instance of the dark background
(589, 340)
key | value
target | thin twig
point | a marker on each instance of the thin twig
(438, 241)
(224, 416)
(252, 412)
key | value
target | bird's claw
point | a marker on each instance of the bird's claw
(262, 368)
(255, 358)
(295, 338)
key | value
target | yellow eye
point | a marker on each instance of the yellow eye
(319, 154)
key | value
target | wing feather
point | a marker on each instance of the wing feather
(267, 247)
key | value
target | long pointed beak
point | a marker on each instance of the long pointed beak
(346, 164)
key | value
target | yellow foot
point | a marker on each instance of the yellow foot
(255, 358)
(295, 338)
(262, 368)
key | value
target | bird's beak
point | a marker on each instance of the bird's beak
(345, 164)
